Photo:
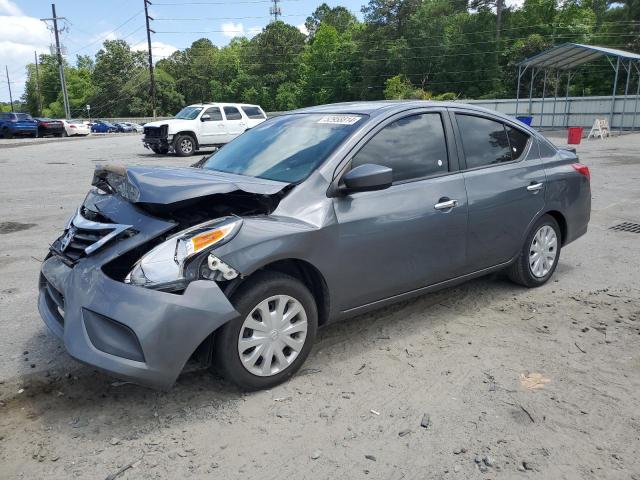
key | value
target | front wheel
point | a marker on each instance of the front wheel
(160, 150)
(184, 145)
(539, 256)
(273, 335)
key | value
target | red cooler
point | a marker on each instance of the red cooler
(574, 135)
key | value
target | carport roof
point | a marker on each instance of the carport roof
(570, 55)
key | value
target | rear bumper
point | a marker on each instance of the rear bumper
(136, 334)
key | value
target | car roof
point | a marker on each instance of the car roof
(223, 104)
(390, 107)
(369, 107)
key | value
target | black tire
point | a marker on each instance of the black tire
(520, 271)
(6, 133)
(257, 288)
(159, 150)
(181, 145)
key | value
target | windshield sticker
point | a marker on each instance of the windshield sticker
(340, 119)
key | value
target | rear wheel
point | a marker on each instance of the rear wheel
(540, 254)
(184, 145)
(6, 133)
(273, 335)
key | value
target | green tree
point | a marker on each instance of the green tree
(338, 17)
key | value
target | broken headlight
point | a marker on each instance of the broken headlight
(163, 267)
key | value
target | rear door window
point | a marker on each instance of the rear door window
(232, 113)
(214, 113)
(413, 147)
(253, 112)
(485, 142)
(518, 141)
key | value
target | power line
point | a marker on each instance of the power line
(165, 4)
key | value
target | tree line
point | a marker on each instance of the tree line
(440, 49)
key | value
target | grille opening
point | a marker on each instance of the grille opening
(55, 301)
(626, 227)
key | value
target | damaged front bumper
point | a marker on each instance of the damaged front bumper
(134, 333)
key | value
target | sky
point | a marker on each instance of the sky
(90, 22)
(177, 23)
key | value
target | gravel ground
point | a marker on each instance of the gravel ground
(485, 380)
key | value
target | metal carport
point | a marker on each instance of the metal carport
(569, 56)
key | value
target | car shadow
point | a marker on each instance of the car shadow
(79, 399)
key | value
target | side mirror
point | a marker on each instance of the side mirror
(205, 118)
(366, 178)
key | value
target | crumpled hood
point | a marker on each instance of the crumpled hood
(166, 185)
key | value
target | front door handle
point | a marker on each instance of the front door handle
(534, 187)
(446, 204)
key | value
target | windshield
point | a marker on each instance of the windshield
(188, 113)
(286, 148)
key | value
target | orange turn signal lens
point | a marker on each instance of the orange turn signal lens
(205, 239)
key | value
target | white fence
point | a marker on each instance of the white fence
(571, 112)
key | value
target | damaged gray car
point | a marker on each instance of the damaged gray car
(308, 218)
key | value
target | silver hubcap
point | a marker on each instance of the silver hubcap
(186, 145)
(272, 335)
(543, 251)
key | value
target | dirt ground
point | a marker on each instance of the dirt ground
(486, 380)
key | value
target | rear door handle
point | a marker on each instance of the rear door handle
(534, 187)
(446, 205)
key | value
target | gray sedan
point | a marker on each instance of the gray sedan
(308, 218)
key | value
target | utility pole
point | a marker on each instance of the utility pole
(151, 74)
(63, 82)
(275, 10)
(39, 112)
(9, 84)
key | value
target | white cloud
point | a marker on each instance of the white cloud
(9, 8)
(232, 30)
(159, 50)
(303, 29)
(20, 36)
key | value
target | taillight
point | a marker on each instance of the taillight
(583, 169)
(72, 126)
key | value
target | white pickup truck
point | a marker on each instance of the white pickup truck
(200, 125)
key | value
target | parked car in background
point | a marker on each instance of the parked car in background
(49, 127)
(75, 127)
(201, 125)
(17, 124)
(123, 127)
(134, 126)
(101, 126)
(311, 217)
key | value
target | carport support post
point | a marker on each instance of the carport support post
(533, 77)
(613, 94)
(518, 89)
(566, 101)
(626, 95)
(635, 107)
(544, 91)
(555, 99)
